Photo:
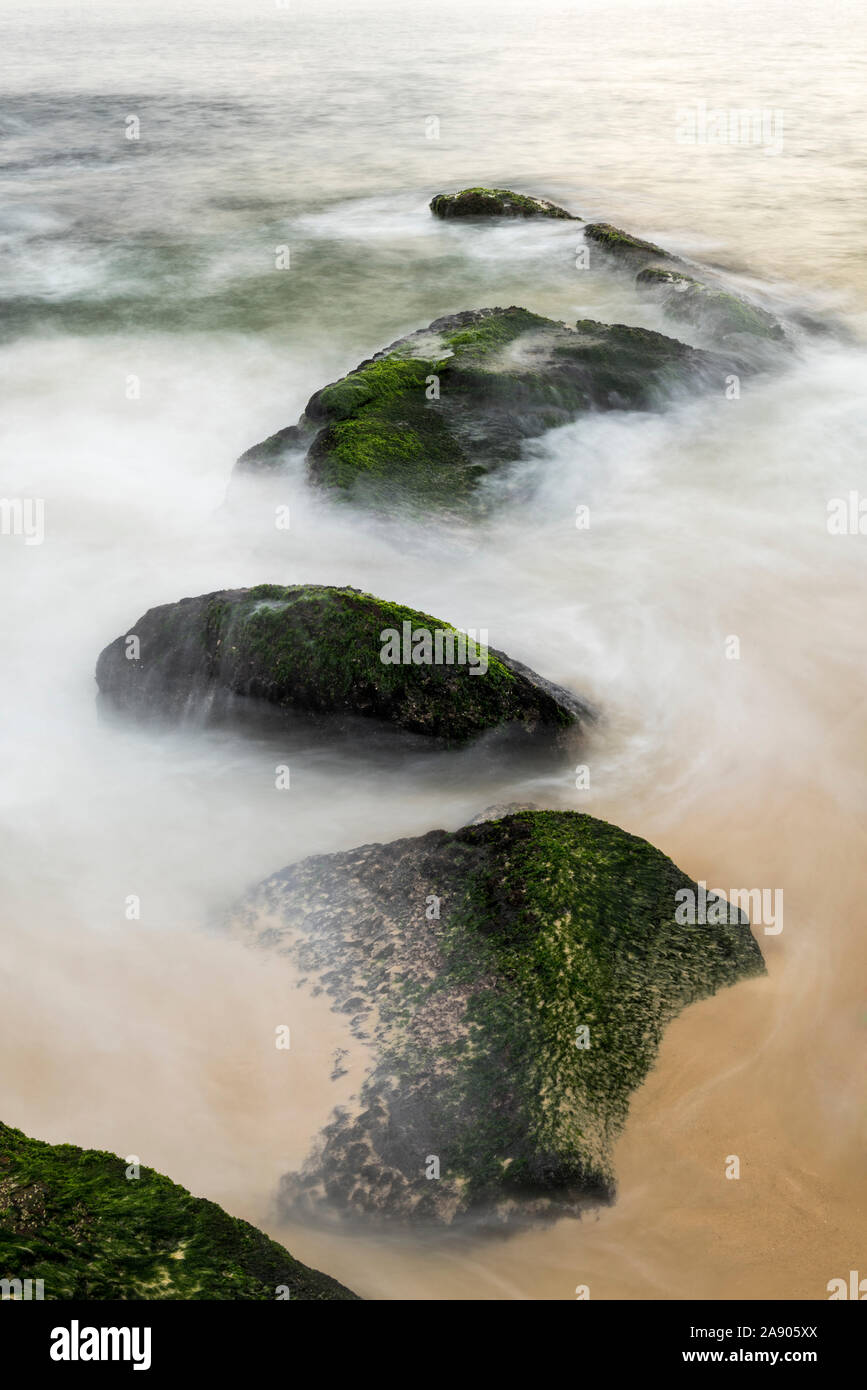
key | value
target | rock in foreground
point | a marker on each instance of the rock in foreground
(513, 981)
(316, 651)
(495, 202)
(425, 420)
(73, 1219)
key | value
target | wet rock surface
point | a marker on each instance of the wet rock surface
(315, 651)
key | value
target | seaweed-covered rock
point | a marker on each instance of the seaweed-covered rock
(512, 981)
(495, 202)
(719, 311)
(623, 245)
(317, 651)
(71, 1218)
(423, 421)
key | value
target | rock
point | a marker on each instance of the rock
(271, 453)
(73, 1219)
(424, 421)
(502, 942)
(495, 202)
(624, 245)
(509, 808)
(717, 310)
(313, 650)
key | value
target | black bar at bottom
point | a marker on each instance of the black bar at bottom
(177, 1337)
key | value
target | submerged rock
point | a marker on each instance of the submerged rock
(512, 981)
(717, 311)
(495, 202)
(624, 245)
(317, 651)
(271, 453)
(426, 419)
(721, 312)
(73, 1219)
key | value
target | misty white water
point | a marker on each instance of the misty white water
(148, 266)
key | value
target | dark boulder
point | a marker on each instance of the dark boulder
(316, 651)
(495, 202)
(623, 246)
(512, 981)
(423, 422)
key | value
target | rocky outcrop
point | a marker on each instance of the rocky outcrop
(718, 311)
(317, 651)
(706, 306)
(423, 422)
(513, 981)
(271, 452)
(625, 247)
(495, 202)
(73, 1218)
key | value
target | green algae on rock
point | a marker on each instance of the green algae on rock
(421, 423)
(71, 1218)
(509, 1024)
(722, 312)
(317, 651)
(495, 202)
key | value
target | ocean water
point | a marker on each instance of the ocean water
(147, 338)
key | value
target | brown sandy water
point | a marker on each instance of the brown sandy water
(162, 1045)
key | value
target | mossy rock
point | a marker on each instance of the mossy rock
(495, 202)
(423, 422)
(73, 1219)
(624, 245)
(316, 651)
(545, 923)
(717, 310)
